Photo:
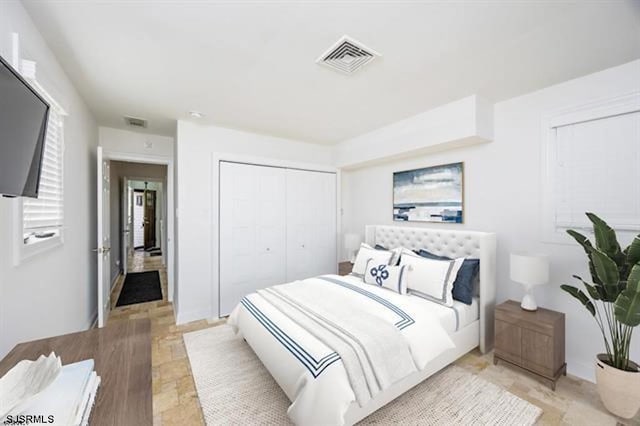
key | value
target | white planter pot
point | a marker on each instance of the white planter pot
(619, 390)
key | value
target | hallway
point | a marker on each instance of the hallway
(174, 396)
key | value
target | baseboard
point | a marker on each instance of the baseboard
(582, 370)
(113, 281)
(94, 321)
(185, 317)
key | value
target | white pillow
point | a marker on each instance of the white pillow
(396, 253)
(431, 279)
(393, 278)
(367, 252)
(402, 251)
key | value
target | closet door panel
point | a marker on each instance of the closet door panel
(252, 231)
(311, 224)
(237, 234)
(299, 257)
(270, 260)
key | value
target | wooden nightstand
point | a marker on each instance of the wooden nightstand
(344, 268)
(533, 341)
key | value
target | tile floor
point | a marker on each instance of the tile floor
(174, 396)
(175, 402)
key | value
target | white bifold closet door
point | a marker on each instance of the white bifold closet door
(311, 224)
(252, 230)
(276, 225)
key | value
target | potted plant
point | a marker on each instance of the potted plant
(613, 298)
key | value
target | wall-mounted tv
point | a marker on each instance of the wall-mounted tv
(23, 127)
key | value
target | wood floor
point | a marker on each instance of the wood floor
(175, 402)
(174, 395)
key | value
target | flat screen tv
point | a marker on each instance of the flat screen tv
(23, 127)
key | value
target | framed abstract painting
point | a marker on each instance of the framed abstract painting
(431, 194)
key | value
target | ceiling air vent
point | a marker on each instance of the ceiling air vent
(347, 56)
(136, 122)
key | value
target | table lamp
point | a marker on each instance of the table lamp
(529, 270)
(352, 245)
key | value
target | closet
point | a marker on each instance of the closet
(276, 225)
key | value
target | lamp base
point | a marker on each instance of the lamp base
(528, 301)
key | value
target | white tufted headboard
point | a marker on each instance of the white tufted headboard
(479, 245)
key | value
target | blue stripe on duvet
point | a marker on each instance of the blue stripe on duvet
(315, 367)
(405, 319)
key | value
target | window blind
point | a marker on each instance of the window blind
(46, 212)
(596, 170)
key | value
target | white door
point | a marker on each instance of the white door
(252, 230)
(124, 212)
(104, 241)
(311, 224)
(138, 219)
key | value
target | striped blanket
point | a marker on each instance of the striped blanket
(348, 341)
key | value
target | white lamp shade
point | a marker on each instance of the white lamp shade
(529, 269)
(352, 241)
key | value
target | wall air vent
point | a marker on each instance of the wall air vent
(136, 122)
(347, 56)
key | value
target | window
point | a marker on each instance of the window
(42, 218)
(597, 171)
(592, 166)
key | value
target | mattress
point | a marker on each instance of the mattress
(452, 318)
(310, 372)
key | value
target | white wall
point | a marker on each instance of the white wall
(131, 142)
(503, 195)
(54, 292)
(197, 177)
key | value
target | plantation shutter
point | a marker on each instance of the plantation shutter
(597, 170)
(46, 212)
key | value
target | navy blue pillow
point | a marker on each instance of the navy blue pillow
(463, 285)
(379, 247)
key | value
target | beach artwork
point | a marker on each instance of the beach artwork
(432, 194)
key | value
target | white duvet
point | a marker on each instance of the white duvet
(311, 337)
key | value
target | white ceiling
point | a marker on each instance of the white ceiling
(251, 64)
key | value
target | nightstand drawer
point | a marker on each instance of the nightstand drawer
(515, 318)
(508, 341)
(537, 353)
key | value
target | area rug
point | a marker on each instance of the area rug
(140, 287)
(234, 388)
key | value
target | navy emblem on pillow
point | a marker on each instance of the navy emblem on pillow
(389, 277)
(380, 273)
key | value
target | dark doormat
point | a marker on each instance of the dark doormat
(140, 287)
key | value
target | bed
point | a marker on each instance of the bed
(318, 381)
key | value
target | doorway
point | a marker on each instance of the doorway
(142, 213)
(146, 218)
(127, 183)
